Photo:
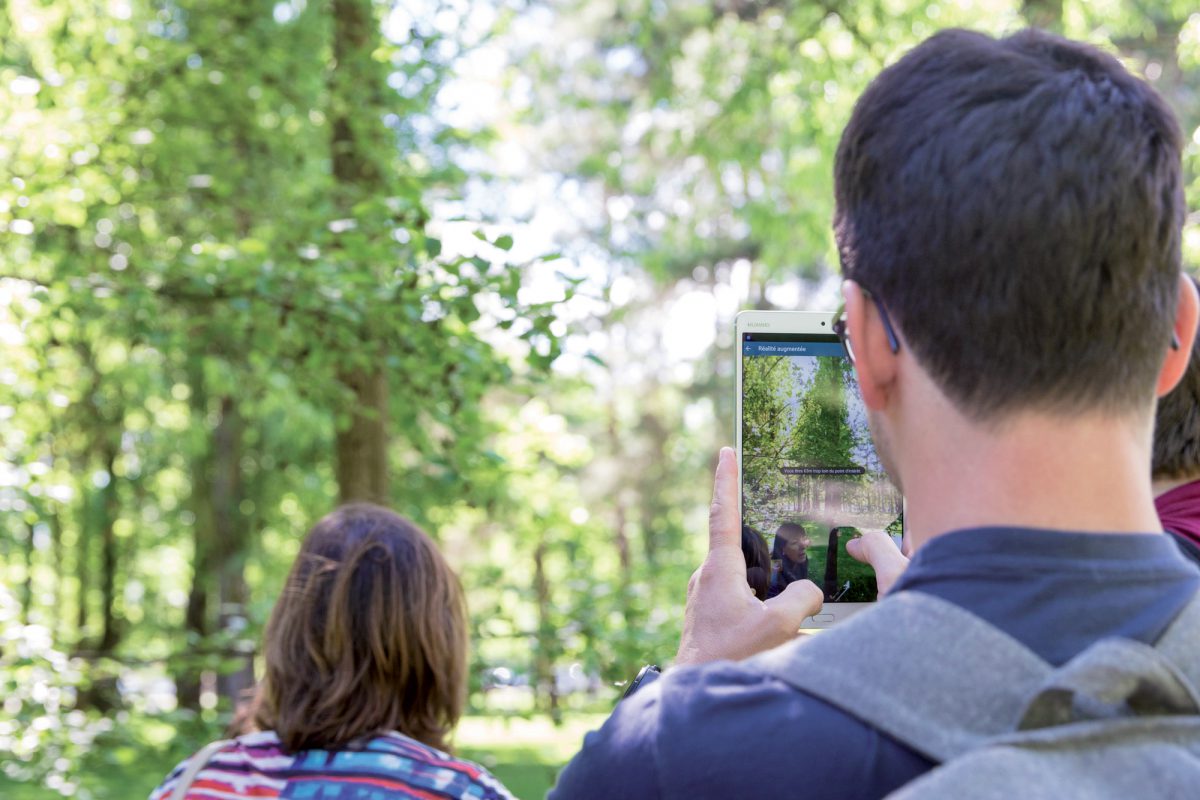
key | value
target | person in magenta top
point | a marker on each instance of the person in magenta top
(1176, 460)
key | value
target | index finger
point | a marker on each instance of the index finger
(724, 518)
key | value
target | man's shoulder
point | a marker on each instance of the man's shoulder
(747, 702)
(718, 729)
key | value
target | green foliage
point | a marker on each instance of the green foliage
(822, 436)
(42, 737)
(185, 284)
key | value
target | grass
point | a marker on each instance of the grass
(525, 754)
(861, 576)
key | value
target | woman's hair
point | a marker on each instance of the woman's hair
(758, 561)
(369, 636)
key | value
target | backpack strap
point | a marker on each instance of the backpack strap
(1113, 678)
(920, 669)
(195, 764)
(1181, 642)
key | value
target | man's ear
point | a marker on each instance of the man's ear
(874, 360)
(1187, 311)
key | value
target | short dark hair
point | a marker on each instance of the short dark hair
(1017, 205)
(792, 530)
(370, 636)
(1177, 424)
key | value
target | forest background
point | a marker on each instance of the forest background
(476, 259)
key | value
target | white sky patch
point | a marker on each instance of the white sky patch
(689, 326)
(12, 291)
(739, 277)
(24, 86)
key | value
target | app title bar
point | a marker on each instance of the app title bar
(792, 349)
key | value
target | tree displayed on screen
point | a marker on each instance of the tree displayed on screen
(822, 436)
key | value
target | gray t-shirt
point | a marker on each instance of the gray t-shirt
(721, 730)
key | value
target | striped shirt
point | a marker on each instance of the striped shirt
(386, 767)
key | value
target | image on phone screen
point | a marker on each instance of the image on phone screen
(811, 479)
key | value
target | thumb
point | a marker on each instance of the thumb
(801, 599)
(724, 517)
(877, 549)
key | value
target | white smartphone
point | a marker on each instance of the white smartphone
(811, 479)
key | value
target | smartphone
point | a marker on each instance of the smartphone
(811, 478)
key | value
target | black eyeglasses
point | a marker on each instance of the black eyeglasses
(839, 326)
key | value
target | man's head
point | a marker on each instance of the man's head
(1176, 451)
(1016, 206)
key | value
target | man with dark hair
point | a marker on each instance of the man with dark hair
(1009, 216)
(1176, 459)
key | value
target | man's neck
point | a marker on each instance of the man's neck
(1082, 472)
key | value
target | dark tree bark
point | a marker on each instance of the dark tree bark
(545, 685)
(359, 144)
(219, 535)
(362, 471)
(107, 516)
(1044, 14)
(195, 623)
(27, 584)
(230, 538)
(654, 483)
(57, 618)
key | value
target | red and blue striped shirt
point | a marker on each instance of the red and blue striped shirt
(383, 768)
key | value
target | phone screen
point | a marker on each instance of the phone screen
(811, 479)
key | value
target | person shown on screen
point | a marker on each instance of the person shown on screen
(366, 674)
(758, 561)
(1009, 217)
(789, 557)
(1176, 460)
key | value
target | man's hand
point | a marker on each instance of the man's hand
(877, 549)
(723, 618)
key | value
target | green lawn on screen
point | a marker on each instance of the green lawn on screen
(861, 576)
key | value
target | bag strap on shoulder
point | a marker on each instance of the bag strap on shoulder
(918, 668)
(942, 680)
(1181, 642)
(197, 763)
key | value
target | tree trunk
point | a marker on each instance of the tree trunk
(230, 537)
(654, 481)
(108, 509)
(1044, 14)
(545, 685)
(195, 623)
(83, 565)
(27, 584)
(621, 520)
(57, 617)
(361, 147)
(362, 472)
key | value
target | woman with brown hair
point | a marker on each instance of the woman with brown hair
(365, 676)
